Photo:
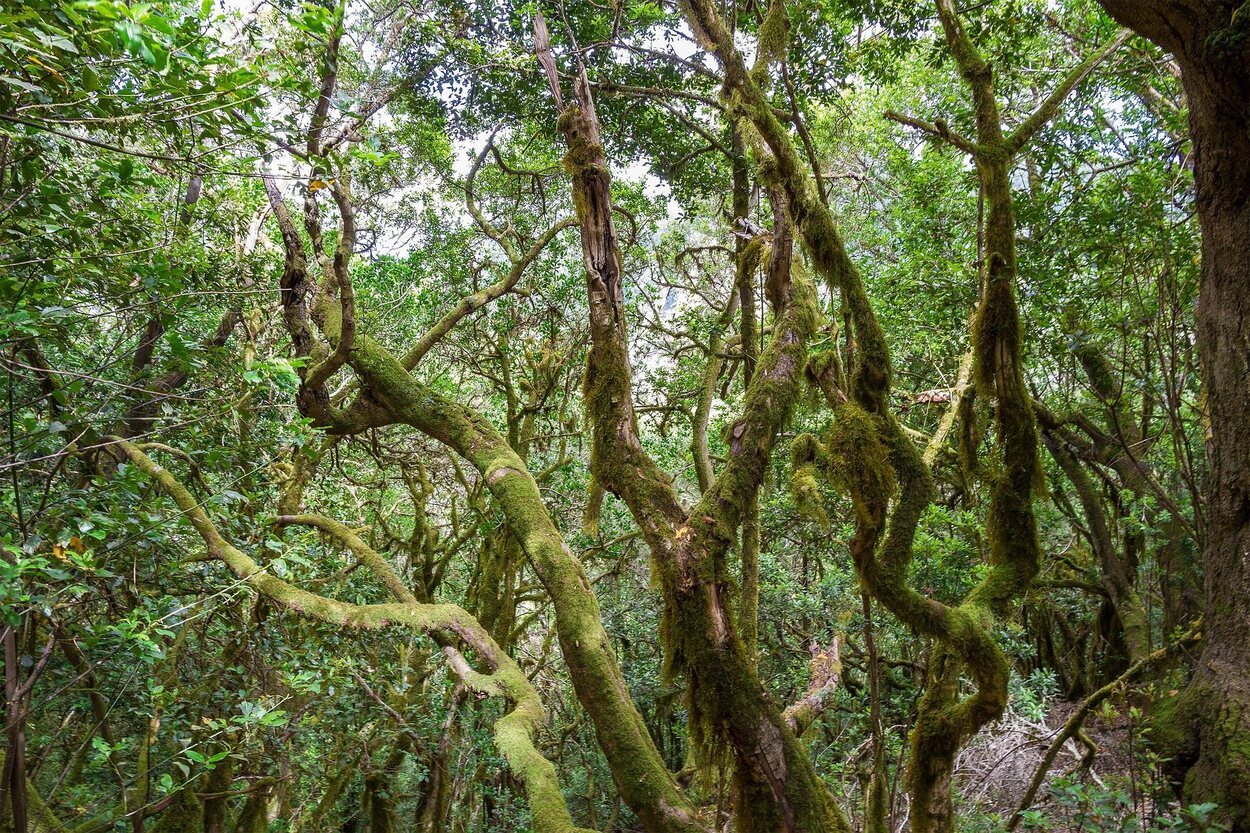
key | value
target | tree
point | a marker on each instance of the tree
(1211, 43)
(481, 416)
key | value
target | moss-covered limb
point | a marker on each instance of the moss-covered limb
(492, 592)
(886, 576)
(293, 477)
(965, 629)
(1011, 527)
(745, 258)
(934, 742)
(1049, 108)
(976, 72)
(329, 308)
(40, 818)
(296, 287)
(1073, 725)
(774, 389)
(876, 801)
(938, 130)
(1118, 577)
(824, 674)
(778, 276)
(366, 554)
(868, 455)
(400, 591)
(870, 378)
(749, 580)
(643, 780)
(1097, 446)
(777, 787)
(1014, 549)
(514, 732)
(618, 459)
(938, 441)
(338, 288)
(775, 383)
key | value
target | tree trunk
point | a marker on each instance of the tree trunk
(1211, 41)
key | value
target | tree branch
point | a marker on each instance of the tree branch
(514, 732)
(1049, 108)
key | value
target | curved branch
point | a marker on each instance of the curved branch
(514, 732)
(938, 130)
(641, 776)
(481, 298)
(340, 270)
(825, 673)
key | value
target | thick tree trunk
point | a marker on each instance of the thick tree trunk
(1220, 120)
(1211, 42)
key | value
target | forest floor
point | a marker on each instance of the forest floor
(995, 769)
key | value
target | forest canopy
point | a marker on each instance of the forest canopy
(681, 417)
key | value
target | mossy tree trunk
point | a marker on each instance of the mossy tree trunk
(868, 453)
(391, 394)
(1210, 735)
(776, 786)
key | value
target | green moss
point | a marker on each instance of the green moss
(807, 497)
(774, 40)
(185, 815)
(1233, 40)
(859, 461)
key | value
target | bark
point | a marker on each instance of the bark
(13, 787)
(1014, 549)
(731, 713)
(875, 800)
(389, 394)
(252, 817)
(216, 801)
(1210, 735)
(434, 808)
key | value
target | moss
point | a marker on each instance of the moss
(859, 461)
(807, 497)
(1102, 378)
(584, 151)
(824, 372)
(774, 40)
(1232, 41)
(185, 815)
(40, 817)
